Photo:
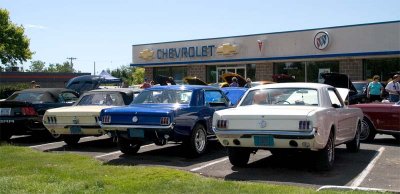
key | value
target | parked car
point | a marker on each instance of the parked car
(82, 119)
(339, 80)
(180, 113)
(234, 94)
(383, 118)
(289, 116)
(22, 112)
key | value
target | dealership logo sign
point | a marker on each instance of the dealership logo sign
(227, 49)
(321, 40)
(146, 54)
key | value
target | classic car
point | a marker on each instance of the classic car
(180, 113)
(286, 117)
(82, 119)
(383, 118)
(339, 80)
(234, 94)
(22, 112)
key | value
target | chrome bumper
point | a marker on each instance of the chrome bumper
(171, 126)
(277, 134)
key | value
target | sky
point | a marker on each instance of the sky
(103, 31)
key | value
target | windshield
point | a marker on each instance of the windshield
(33, 97)
(102, 99)
(282, 96)
(163, 97)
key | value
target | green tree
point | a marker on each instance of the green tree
(37, 66)
(14, 45)
(138, 75)
(66, 67)
(128, 74)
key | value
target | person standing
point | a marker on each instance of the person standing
(248, 83)
(234, 82)
(393, 87)
(146, 84)
(374, 90)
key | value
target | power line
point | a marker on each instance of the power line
(71, 58)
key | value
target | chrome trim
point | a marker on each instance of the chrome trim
(139, 126)
(264, 132)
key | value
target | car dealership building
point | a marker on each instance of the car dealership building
(360, 51)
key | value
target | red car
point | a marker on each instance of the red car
(381, 118)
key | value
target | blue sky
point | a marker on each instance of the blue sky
(103, 31)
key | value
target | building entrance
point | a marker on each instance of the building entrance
(241, 70)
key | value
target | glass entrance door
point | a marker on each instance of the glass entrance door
(241, 70)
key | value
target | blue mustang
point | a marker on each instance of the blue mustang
(180, 113)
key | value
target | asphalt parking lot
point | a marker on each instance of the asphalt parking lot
(377, 165)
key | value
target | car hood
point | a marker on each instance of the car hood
(227, 77)
(194, 81)
(338, 80)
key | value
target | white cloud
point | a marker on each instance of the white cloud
(35, 26)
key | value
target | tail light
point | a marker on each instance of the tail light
(28, 111)
(222, 123)
(106, 119)
(304, 125)
(164, 121)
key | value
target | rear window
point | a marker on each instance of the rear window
(282, 96)
(33, 97)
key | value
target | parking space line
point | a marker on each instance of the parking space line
(47, 144)
(357, 182)
(118, 152)
(209, 164)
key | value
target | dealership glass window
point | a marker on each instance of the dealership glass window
(384, 67)
(251, 71)
(297, 70)
(178, 73)
(211, 74)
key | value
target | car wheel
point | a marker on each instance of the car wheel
(354, 145)
(326, 156)
(197, 144)
(71, 139)
(238, 156)
(5, 135)
(367, 133)
(128, 146)
(397, 136)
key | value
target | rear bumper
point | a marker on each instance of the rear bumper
(21, 126)
(90, 129)
(149, 132)
(277, 139)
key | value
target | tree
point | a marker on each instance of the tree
(129, 75)
(66, 67)
(37, 66)
(14, 45)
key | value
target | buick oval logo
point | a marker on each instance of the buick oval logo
(262, 123)
(321, 40)
(135, 119)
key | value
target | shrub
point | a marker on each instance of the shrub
(7, 89)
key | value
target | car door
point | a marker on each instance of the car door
(344, 120)
(214, 100)
(393, 119)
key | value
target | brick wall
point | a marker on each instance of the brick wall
(264, 71)
(352, 68)
(148, 73)
(198, 71)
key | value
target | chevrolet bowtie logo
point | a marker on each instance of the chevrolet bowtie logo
(227, 49)
(146, 54)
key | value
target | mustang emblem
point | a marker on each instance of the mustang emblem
(262, 123)
(227, 49)
(135, 119)
(146, 54)
(75, 120)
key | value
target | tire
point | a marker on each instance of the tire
(71, 140)
(128, 146)
(397, 136)
(354, 145)
(326, 157)
(5, 135)
(197, 144)
(367, 133)
(238, 156)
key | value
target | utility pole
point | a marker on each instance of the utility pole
(72, 65)
(94, 68)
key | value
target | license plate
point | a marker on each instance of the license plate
(136, 133)
(5, 111)
(75, 130)
(263, 140)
